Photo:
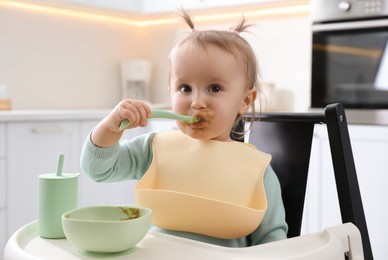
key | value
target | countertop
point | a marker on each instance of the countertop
(354, 116)
(363, 116)
(61, 114)
(50, 115)
(367, 117)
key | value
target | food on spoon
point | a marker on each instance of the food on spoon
(196, 119)
(131, 213)
(202, 119)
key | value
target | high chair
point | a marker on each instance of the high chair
(288, 138)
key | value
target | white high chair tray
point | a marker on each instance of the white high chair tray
(329, 244)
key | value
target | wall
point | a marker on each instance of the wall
(57, 62)
(283, 48)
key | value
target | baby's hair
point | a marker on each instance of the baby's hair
(241, 27)
(231, 42)
(186, 17)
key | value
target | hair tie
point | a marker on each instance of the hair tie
(193, 30)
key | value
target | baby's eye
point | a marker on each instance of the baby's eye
(215, 88)
(185, 88)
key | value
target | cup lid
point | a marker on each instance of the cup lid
(56, 177)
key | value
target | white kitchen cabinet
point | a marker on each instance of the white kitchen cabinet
(2, 167)
(3, 235)
(33, 149)
(2, 140)
(370, 149)
(3, 188)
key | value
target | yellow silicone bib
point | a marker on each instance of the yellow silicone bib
(208, 187)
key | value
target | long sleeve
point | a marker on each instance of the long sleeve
(124, 161)
(273, 226)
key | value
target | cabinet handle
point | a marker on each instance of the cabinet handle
(47, 130)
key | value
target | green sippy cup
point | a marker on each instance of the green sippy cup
(58, 193)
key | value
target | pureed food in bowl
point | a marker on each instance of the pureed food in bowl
(106, 229)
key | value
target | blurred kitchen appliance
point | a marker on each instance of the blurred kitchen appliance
(135, 78)
(350, 53)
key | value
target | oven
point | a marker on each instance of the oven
(350, 53)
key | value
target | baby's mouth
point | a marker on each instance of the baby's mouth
(203, 119)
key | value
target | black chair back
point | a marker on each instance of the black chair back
(288, 138)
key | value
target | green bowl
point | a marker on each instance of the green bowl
(105, 229)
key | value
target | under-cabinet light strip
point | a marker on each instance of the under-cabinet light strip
(302, 8)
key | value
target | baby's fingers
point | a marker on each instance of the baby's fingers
(135, 112)
(145, 113)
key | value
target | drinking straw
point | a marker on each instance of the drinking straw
(60, 164)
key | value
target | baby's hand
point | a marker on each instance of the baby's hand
(136, 112)
(107, 132)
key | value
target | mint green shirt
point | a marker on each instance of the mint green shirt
(130, 159)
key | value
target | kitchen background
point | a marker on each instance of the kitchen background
(61, 69)
(57, 61)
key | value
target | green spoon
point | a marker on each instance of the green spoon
(165, 114)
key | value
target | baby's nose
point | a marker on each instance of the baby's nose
(198, 102)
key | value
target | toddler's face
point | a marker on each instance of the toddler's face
(210, 83)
